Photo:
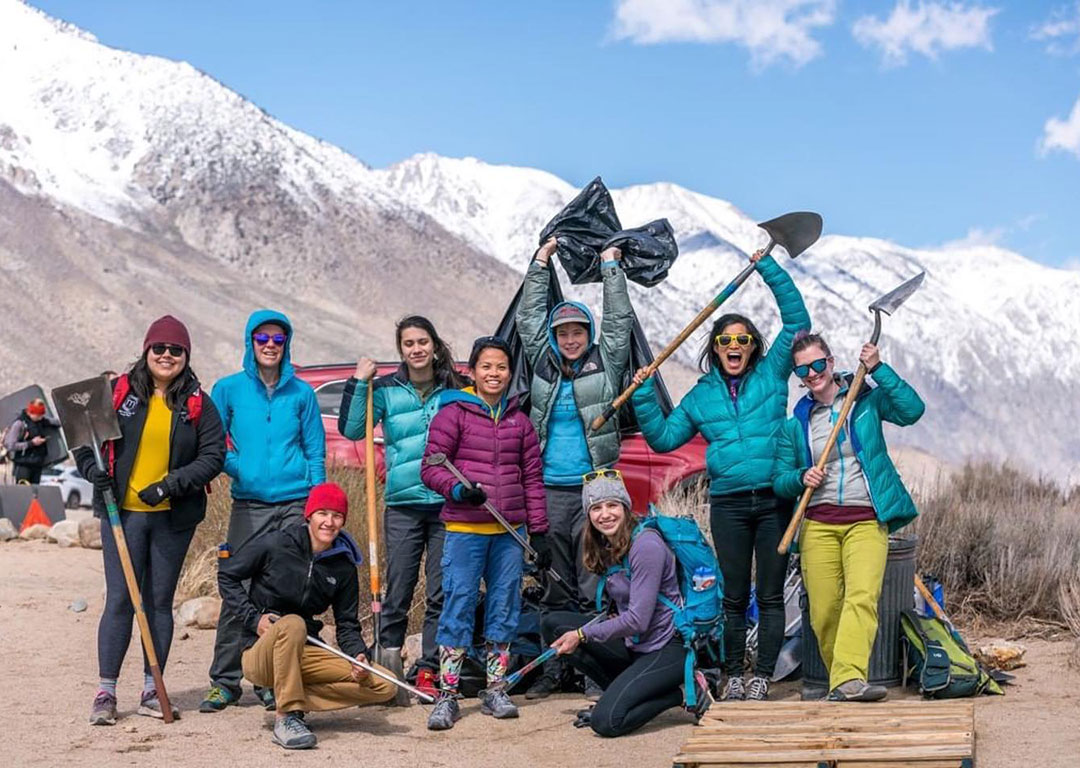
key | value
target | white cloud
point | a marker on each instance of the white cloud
(975, 237)
(1061, 31)
(927, 28)
(1062, 135)
(772, 30)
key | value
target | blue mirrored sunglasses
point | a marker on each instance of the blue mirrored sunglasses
(817, 366)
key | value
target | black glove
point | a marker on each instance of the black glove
(101, 480)
(542, 546)
(475, 496)
(154, 494)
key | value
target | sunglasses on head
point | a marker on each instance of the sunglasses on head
(742, 339)
(614, 474)
(173, 349)
(817, 366)
(263, 338)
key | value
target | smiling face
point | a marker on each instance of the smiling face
(417, 349)
(819, 383)
(572, 340)
(323, 526)
(491, 373)
(734, 357)
(607, 517)
(166, 366)
(269, 355)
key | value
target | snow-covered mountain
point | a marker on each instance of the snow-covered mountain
(142, 184)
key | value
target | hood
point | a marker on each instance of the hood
(258, 317)
(468, 396)
(343, 545)
(551, 331)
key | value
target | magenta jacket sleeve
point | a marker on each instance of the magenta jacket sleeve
(443, 436)
(532, 478)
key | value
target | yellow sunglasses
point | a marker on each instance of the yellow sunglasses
(742, 339)
(588, 477)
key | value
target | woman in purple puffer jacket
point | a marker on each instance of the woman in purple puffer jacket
(494, 445)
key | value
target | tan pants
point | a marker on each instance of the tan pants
(306, 678)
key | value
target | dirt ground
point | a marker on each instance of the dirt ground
(48, 673)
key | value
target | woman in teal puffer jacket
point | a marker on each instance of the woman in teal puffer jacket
(739, 406)
(405, 402)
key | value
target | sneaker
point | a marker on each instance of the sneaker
(814, 692)
(702, 694)
(544, 686)
(103, 711)
(497, 704)
(734, 690)
(218, 698)
(150, 706)
(593, 691)
(291, 732)
(445, 714)
(425, 682)
(758, 689)
(266, 696)
(857, 690)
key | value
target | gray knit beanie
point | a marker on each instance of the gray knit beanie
(605, 488)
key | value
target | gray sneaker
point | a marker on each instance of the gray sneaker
(758, 689)
(103, 711)
(291, 732)
(150, 706)
(734, 690)
(857, 690)
(497, 704)
(444, 715)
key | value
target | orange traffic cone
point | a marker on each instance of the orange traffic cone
(34, 515)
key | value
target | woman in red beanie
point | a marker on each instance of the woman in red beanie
(171, 446)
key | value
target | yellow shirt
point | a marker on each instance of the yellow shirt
(152, 457)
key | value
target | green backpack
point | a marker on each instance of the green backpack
(937, 660)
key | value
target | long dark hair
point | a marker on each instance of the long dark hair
(709, 359)
(442, 356)
(142, 383)
(599, 552)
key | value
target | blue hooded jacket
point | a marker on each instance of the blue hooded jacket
(277, 446)
(566, 452)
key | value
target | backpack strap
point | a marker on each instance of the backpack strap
(121, 388)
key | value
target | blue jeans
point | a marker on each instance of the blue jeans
(468, 558)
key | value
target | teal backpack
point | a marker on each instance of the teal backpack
(699, 616)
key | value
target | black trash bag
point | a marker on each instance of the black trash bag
(589, 223)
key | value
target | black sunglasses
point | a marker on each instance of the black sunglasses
(817, 366)
(173, 349)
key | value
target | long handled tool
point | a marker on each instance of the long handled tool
(887, 304)
(795, 231)
(402, 686)
(440, 458)
(84, 407)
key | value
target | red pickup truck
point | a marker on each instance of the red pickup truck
(647, 474)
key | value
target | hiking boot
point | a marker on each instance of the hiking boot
(758, 689)
(857, 690)
(544, 686)
(445, 714)
(266, 696)
(593, 691)
(425, 682)
(703, 695)
(734, 690)
(103, 711)
(217, 698)
(150, 706)
(497, 704)
(291, 732)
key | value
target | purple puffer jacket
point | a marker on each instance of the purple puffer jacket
(503, 455)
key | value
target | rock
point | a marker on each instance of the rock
(78, 515)
(90, 533)
(38, 531)
(65, 533)
(413, 649)
(201, 612)
(1001, 654)
(78, 605)
(7, 530)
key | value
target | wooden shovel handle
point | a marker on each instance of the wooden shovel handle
(929, 598)
(804, 500)
(369, 481)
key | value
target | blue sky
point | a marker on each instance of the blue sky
(920, 122)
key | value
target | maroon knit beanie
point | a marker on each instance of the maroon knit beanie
(167, 330)
(327, 496)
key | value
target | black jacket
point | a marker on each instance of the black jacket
(196, 456)
(286, 578)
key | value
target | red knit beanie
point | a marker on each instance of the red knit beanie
(327, 496)
(167, 330)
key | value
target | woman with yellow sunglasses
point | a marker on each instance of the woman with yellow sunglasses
(739, 407)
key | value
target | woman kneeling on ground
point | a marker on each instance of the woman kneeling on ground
(493, 444)
(637, 656)
(858, 500)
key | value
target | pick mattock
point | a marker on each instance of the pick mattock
(887, 304)
(795, 231)
(402, 686)
(87, 416)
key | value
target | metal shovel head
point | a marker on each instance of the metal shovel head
(892, 300)
(795, 231)
(86, 412)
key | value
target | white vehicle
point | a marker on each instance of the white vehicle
(75, 491)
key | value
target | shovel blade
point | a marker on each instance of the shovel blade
(390, 659)
(892, 300)
(86, 412)
(795, 231)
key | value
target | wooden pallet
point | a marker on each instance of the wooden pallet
(819, 734)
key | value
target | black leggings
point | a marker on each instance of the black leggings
(157, 554)
(745, 525)
(637, 686)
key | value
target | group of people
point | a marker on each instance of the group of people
(288, 559)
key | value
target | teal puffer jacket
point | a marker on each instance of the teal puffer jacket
(405, 419)
(892, 400)
(742, 439)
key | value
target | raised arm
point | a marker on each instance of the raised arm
(793, 316)
(618, 321)
(532, 314)
(897, 401)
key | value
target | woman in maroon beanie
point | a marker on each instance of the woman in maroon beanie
(171, 446)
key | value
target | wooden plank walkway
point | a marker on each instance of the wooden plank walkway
(820, 734)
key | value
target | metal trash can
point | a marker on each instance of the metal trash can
(897, 595)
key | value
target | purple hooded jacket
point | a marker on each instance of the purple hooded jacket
(499, 450)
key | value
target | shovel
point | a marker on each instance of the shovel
(87, 416)
(887, 304)
(795, 231)
(403, 687)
